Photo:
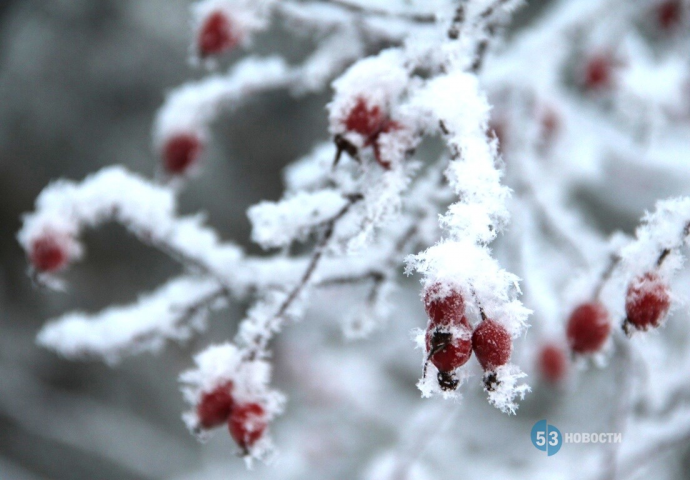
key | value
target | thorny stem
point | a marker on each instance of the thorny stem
(260, 342)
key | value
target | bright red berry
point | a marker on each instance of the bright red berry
(215, 407)
(449, 348)
(598, 73)
(364, 120)
(216, 35)
(48, 254)
(647, 301)
(492, 344)
(669, 14)
(181, 152)
(552, 363)
(588, 328)
(444, 306)
(247, 424)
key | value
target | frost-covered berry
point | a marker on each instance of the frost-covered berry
(647, 302)
(492, 345)
(247, 424)
(552, 363)
(365, 120)
(588, 328)
(216, 35)
(598, 74)
(180, 152)
(445, 306)
(214, 408)
(48, 254)
(669, 14)
(449, 348)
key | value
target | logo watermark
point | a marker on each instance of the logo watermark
(548, 438)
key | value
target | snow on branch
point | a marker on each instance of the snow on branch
(147, 210)
(279, 224)
(171, 313)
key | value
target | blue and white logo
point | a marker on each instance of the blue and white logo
(546, 438)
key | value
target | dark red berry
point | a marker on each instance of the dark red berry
(588, 328)
(48, 254)
(247, 424)
(669, 14)
(552, 363)
(365, 120)
(449, 348)
(215, 407)
(216, 35)
(181, 152)
(444, 306)
(647, 301)
(492, 344)
(598, 73)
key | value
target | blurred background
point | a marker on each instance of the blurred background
(80, 82)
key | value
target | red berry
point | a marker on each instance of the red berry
(598, 72)
(215, 407)
(492, 344)
(669, 14)
(216, 35)
(647, 301)
(588, 328)
(444, 306)
(181, 152)
(48, 254)
(552, 363)
(247, 424)
(366, 121)
(449, 348)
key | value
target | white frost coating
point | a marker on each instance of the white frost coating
(507, 389)
(144, 208)
(664, 228)
(193, 106)
(379, 81)
(219, 364)
(312, 171)
(277, 224)
(144, 326)
(453, 103)
(455, 100)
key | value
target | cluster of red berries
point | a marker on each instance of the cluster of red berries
(370, 123)
(247, 421)
(48, 253)
(647, 302)
(180, 153)
(450, 339)
(216, 35)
